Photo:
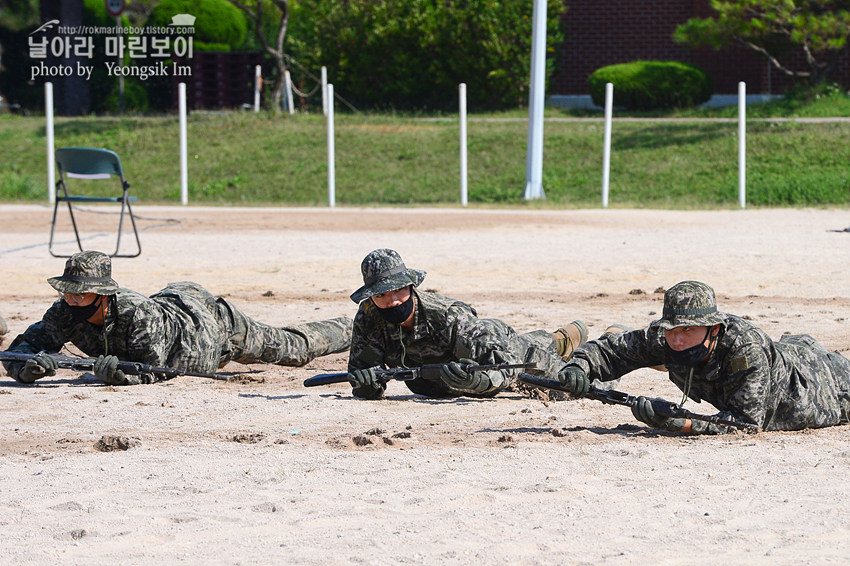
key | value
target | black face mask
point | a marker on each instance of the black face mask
(398, 313)
(81, 314)
(690, 357)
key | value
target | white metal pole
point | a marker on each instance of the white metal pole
(258, 78)
(51, 171)
(331, 150)
(290, 105)
(606, 145)
(184, 173)
(463, 163)
(742, 144)
(534, 158)
(325, 90)
(120, 63)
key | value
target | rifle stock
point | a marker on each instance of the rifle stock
(430, 371)
(612, 397)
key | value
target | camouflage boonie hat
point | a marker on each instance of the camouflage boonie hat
(690, 303)
(383, 270)
(86, 272)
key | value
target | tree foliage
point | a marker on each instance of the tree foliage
(17, 19)
(412, 54)
(16, 15)
(652, 85)
(270, 20)
(105, 93)
(777, 28)
(219, 26)
(138, 11)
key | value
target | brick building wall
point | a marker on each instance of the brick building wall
(217, 80)
(606, 32)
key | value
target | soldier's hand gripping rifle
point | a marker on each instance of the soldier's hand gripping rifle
(427, 371)
(87, 364)
(670, 410)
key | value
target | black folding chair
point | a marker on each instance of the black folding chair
(91, 163)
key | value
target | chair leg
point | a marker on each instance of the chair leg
(125, 202)
(135, 230)
(53, 227)
(120, 229)
(74, 224)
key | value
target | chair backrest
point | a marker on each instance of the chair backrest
(88, 161)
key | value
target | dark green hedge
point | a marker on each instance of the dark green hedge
(652, 85)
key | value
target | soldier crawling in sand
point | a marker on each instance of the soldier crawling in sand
(400, 325)
(721, 358)
(181, 326)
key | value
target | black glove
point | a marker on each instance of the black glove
(366, 384)
(364, 378)
(575, 380)
(40, 365)
(106, 370)
(650, 411)
(455, 376)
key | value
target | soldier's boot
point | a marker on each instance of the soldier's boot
(620, 328)
(570, 337)
(616, 329)
(3, 329)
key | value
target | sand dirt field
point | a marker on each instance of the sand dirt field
(261, 470)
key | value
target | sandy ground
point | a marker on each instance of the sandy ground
(262, 470)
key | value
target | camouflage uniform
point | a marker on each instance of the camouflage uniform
(787, 385)
(444, 330)
(182, 326)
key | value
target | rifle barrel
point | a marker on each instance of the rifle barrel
(714, 419)
(85, 364)
(484, 367)
(543, 382)
(614, 397)
(138, 367)
(403, 374)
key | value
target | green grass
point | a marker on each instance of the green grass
(262, 159)
(822, 101)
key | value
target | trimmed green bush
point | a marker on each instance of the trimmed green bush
(219, 25)
(652, 85)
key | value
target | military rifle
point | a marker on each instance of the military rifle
(427, 371)
(612, 397)
(87, 364)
